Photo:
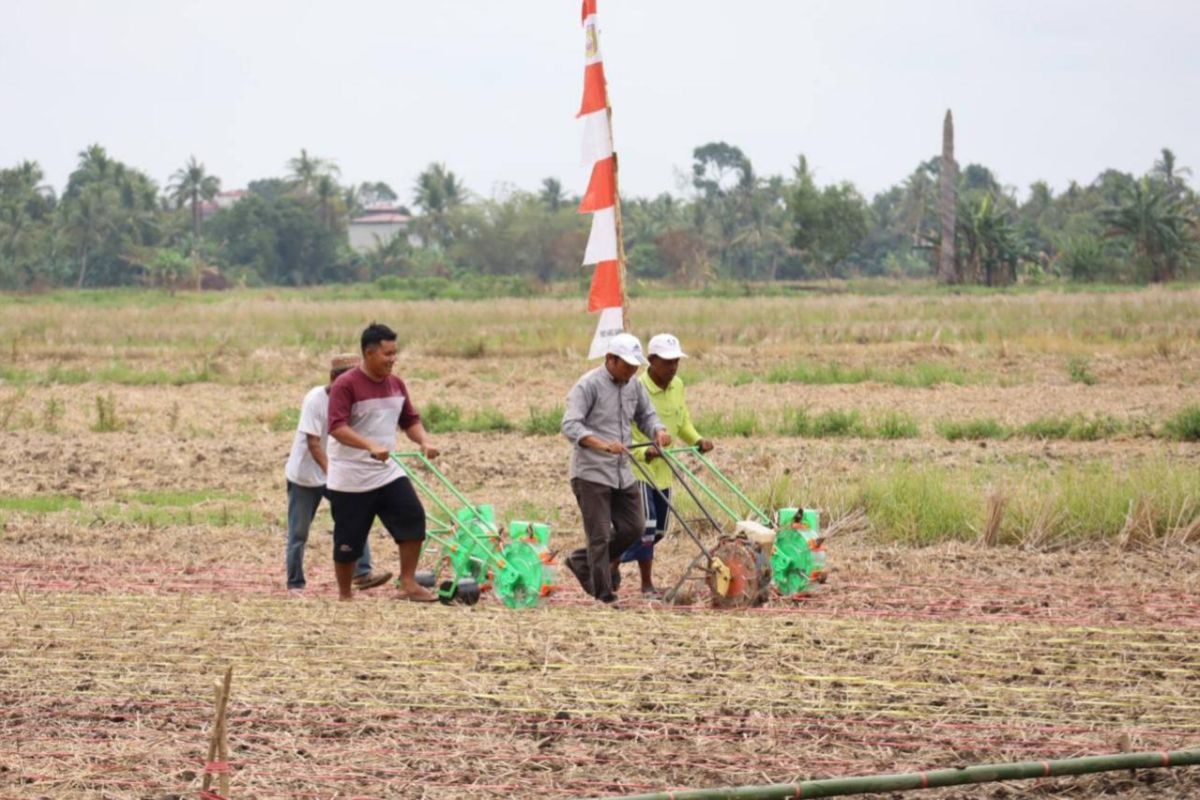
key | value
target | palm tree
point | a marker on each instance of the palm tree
(327, 190)
(1166, 170)
(91, 217)
(193, 184)
(990, 244)
(1158, 226)
(552, 194)
(304, 170)
(438, 192)
(94, 166)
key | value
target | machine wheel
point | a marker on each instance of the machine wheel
(740, 574)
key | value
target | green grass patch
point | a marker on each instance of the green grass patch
(818, 374)
(107, 419)
(222, 516)
(441, 417)
(921, 506)
(488, 420)
(924, 375)
(836, 423)
(921, 375)
(41, 504)
(1184, 426)
(285, 419)
(974, 429)
(896, 425)
(795, 422)
(1080, 370)
(186, 498)
(736, 423)
(1076, 428)
(544, 421)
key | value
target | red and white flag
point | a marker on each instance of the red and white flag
(600, 199)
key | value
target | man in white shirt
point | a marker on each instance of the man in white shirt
(306, 468)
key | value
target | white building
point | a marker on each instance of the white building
(376, 227)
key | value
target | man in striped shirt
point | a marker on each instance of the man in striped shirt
(366, 406)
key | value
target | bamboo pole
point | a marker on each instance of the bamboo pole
(218, 746)
(621, 261)
(981, 773)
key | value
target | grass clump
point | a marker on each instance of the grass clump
(488, 420)
(107, 420)
(738, 423)
(835, 423)
(1184, 426)
(973, 430)
(795, 422)
(925, 375)
(286, 419)
(441, 418)
(1076, 428)
(920, 506)
(895, 425)
(544, 421)
(52, 414)
(1080, 370)
(818, 374)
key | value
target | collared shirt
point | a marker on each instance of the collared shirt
(599, 406)
(672, 410)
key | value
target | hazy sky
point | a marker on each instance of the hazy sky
(1041, 89)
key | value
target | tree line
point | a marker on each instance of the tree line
(113, 225)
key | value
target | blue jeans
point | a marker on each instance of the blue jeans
(658, 518)
(302, 507)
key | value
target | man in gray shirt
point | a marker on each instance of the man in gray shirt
(601, 409)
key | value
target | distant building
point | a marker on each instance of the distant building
(222, 201)
(377, 226)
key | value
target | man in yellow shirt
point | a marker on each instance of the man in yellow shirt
(666, 393)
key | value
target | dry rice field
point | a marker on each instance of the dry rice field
(137, 563)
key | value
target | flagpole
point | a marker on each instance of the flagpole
(621, 269)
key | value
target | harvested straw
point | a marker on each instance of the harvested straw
(990, 537)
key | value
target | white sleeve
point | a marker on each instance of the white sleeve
(314, 413)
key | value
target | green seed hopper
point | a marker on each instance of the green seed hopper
(473, 552)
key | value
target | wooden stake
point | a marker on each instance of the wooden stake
(218, 746)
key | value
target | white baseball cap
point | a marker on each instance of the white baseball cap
(626, 347)
(666, 346)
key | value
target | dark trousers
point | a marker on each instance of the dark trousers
(612, 521)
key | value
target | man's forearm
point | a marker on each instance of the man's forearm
(416, 433)
(317, 452)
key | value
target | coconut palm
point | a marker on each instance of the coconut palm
(304, 170)
(1172, 175)
(191, 185)
(327, 194)
(552, 194)
(438, 190)
(437, 194)
(90, 218)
